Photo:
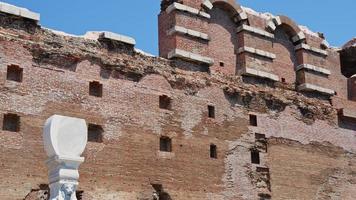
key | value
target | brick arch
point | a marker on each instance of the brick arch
(223, 42)
(232, 7)
(290, 27)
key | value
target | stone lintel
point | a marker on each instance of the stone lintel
(311, 87)
(254, 30)
(254, 72)
(117, 37)
(298, 37)
(207, 5)
(190, 32)
(178, 53)
(184, 8)
(313, 68)
(349, 113)
(18, 11)
(277, 20)
(242, 16)
(256, 52)
(325, 44)
(95, 35)
(271, 26)
(312, 49)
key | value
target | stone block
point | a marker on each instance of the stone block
(277, 20)
(349, 113)
(184, 8)
(30, 15)
(312, 49)
(242, 16)
(311, 87)
(207, 5)
(271, 26)
(325, 44)
(254, 72)
(255, 31)
(190, 32)
(177, 53)
(257, 52)
(10, 9)
(298, 37)
(314, 68)
(56, 132)
(18, 11)
(117, 37)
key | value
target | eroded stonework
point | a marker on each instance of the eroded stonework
(258, 123)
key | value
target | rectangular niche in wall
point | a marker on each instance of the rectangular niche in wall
(213, 151)
(255, 157)
(165, 102)
(11, 122)
(253, 120)
(95, 133)
(211, 111)
(14, 73)
(95, 89)
(165, 144)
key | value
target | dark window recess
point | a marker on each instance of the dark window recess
(14, 73)
(79, 195)
(165, 102)
(222, 64)
(283, 80)
(11, 123)
(253, 120)
(255, 157)
(165, 144)
(95, 133)
(211, 110)
(213, 151)
(259, 136)
(95, 89)
(264, 197)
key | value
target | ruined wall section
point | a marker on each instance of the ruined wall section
(245, 42)
(252, 125)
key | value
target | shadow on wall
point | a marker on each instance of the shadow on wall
(347, 123)
(222, 31)
(286, 60)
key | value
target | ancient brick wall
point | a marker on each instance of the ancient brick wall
(226, 136)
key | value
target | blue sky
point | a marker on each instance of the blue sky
(138, 18)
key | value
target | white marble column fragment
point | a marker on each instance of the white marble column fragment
(64, 139)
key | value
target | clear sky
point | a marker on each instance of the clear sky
(138, 18)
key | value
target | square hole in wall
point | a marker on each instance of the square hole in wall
(165, 102)
(165, 144)
(11, 122)
(283, 80)
(213, 151)
(255, 157)
(14, 73)
(95, 89)
(222, 64)
(253, 120)
(264, 196)
(95, 133)
(211, 111)
(259, 136)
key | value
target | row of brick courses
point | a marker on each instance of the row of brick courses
(129, 162)
(283, 67)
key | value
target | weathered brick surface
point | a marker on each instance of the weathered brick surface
(222, 33)
(308, 153)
